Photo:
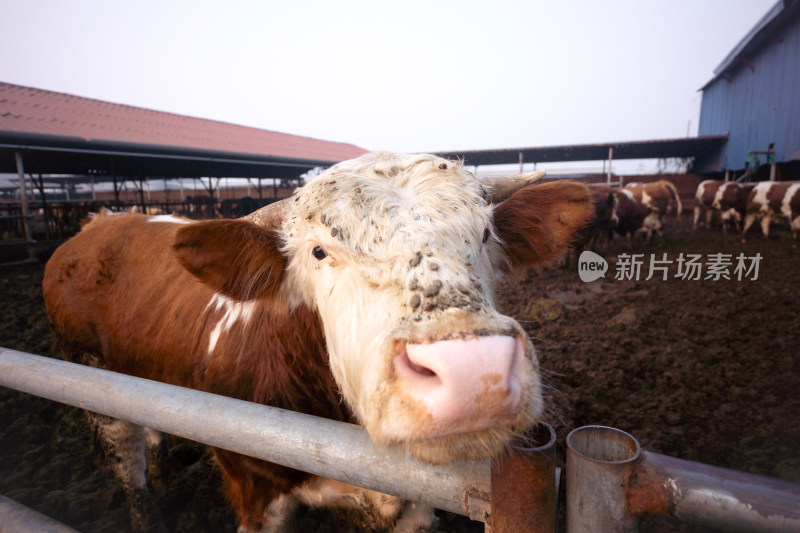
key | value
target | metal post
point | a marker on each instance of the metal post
(599, 463)
(611, 483)
(524, 485)
(23, 197)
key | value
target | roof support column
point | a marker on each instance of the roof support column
(23, 197)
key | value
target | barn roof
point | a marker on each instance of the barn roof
(655, 149)
(62, 133)
(765, 30)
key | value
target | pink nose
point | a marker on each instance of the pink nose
(466, 385)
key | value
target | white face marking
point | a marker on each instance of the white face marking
(169, 218)
(390, 252)
(233, 312)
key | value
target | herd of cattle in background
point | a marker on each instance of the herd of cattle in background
(636, 208)
(639, 208)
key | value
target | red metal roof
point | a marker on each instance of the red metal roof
(30, 110)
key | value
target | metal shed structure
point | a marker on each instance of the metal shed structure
(754, 96)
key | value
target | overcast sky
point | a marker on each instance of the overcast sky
(404, 76)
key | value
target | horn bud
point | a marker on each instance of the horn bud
(269, 216)
(503, 187)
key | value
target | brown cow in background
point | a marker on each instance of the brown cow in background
(658, 197)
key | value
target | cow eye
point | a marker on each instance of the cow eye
(319, 253)
(485, 235)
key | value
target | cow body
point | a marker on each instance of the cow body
(372, 284)
(658, 197)
(728, 198)
(704, 200)
(630, 215)
(602, 222)
(769, 200)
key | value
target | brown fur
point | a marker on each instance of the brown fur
(100, 302)
(538, 222)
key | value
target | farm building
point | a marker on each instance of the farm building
(753, 98)
(55, 133)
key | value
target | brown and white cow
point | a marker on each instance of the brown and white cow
(704, 200)
(630, 216)
(602, 223)
(373, 283)
(658, 197)
(774, 199)
(729, 198)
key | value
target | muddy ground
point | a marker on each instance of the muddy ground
(704, 370)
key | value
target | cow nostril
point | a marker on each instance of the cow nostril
(421, 370)
(412, 369)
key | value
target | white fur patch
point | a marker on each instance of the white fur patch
(233, 312)
(415, 517)
(760, 197)
(128, 443)
(786, 208)
(168, 218)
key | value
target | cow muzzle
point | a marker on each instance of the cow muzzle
(464, 385)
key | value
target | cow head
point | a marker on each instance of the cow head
(399, 256)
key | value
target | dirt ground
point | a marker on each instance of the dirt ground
(703, 370)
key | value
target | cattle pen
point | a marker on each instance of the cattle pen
(610, 481)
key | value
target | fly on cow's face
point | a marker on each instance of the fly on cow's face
(319, 253)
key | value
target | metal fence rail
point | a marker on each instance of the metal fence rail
(15, 517)
(308, 443)
(610, 482)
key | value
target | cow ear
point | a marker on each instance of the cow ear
(538, 223)
(236, 258)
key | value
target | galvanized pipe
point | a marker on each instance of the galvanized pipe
(16, 518)
(711, 496)
(611, 483)
(524, 484)
(311, 444)
(600, 461)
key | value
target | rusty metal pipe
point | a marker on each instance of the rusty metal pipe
(524, 484)
(711, 496)
(600, 461)
(611, 483)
